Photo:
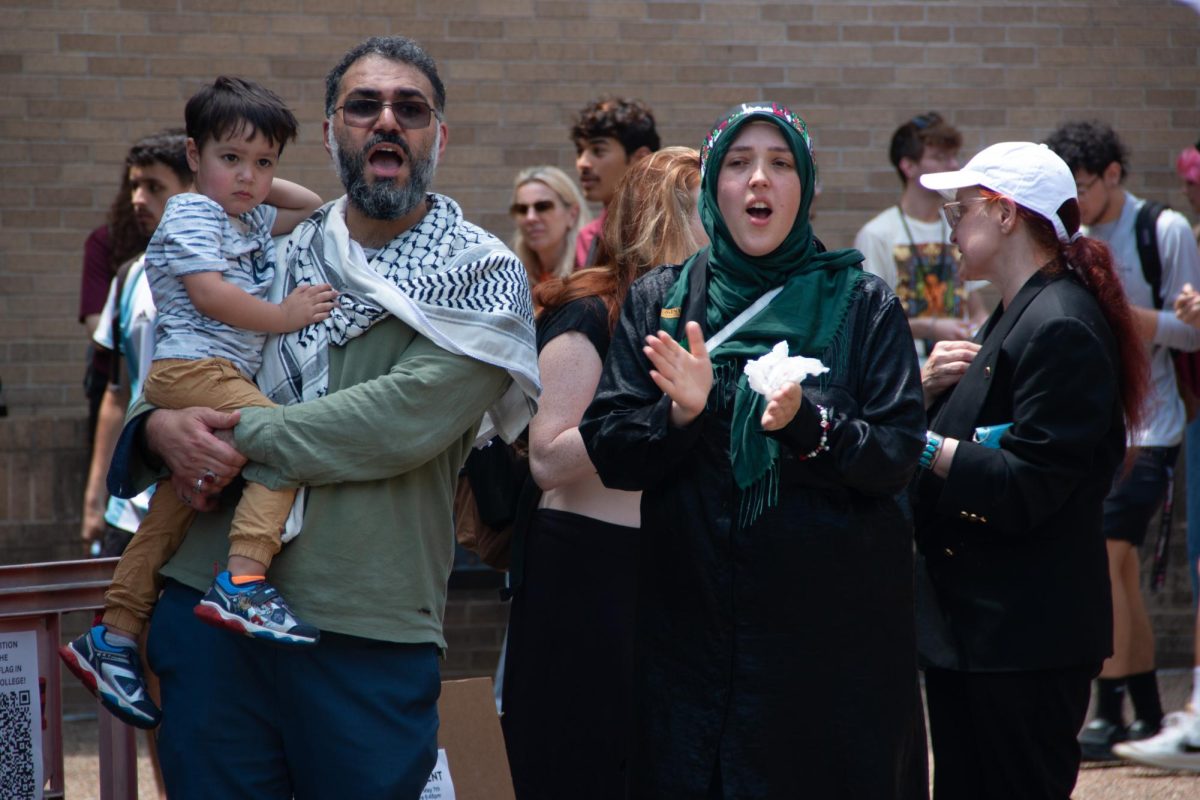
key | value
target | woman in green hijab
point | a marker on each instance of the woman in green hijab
(775, 649)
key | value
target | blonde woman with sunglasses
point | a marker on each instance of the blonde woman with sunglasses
(548, 210)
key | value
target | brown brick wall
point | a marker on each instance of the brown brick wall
(42, 471)
(82, 78)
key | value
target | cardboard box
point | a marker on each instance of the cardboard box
(470, 734)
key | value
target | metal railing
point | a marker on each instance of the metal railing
(33, 597)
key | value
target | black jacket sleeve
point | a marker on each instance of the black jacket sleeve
(878, 424)
(627, 429)
(1064, 390)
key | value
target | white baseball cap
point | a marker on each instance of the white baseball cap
(1032, 175)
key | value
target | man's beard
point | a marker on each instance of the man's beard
(384, 199)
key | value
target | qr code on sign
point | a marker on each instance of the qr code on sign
(17, 781)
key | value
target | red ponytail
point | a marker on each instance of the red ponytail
(1091, 262)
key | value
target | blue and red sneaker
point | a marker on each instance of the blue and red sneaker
(256, 610)
(114, 674)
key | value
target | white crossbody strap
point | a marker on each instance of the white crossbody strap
(758, 305)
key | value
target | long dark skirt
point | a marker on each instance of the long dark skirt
(569, 664)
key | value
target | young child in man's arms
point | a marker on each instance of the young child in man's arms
(211, 264)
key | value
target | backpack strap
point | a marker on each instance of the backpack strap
(114, 375)
(1145, 229)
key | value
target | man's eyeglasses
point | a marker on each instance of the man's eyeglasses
(361, 112)
(953, 212)
(539, 208)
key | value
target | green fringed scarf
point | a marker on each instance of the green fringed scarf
(808, 313)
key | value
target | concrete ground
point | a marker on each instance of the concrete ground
(1144, 783)
(81, 737)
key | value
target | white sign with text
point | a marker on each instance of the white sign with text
(20, 717)
(439, 786)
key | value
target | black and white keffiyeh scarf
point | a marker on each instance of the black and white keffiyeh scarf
(452, 281)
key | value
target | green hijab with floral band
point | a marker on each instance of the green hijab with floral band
(808, 313)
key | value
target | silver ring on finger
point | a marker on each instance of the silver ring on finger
(209, 476)
(199, 485)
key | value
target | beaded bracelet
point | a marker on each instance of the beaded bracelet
(823, 442)
(933, 446)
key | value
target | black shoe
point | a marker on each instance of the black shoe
(1141, 729)
(1097, 738)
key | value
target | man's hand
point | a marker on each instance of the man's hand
(201, 463)
(782, 406)
(306, 305)
(685, 377)
(945, 367)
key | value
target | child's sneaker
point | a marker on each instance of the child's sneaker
(113, 674)
(256, 610)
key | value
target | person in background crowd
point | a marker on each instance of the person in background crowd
(156, 171)
(1098, 160)
(548, 210)
(775, 561)
(569, 661)
(1014, 621)
(610, 134)
(211, 263)
(126, 328)
(1177, 745)
(132, 218)
(392, 399)
(908, 245)
(1187, 308)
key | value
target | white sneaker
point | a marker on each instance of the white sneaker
(1176, 746)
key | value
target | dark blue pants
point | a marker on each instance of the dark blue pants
(349, 717)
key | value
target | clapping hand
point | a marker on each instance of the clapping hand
(686, 377)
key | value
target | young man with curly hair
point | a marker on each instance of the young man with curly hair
(610, 134)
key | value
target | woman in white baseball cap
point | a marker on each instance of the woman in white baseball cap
(1027, 428)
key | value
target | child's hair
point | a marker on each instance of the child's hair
(924, 130)
(231, 106)
(630, 122)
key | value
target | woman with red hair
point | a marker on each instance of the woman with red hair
(569, 663)
(1027, 428)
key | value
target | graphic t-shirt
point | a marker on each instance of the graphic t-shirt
(917, 260)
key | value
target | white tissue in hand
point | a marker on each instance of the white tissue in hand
(770, 372)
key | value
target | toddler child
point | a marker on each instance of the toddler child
(211, 264)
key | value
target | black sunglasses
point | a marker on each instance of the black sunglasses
(361, 112)
(540, 207)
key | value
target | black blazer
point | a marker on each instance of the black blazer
(1013, 572)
